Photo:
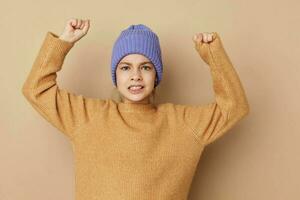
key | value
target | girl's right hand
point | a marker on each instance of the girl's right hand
(75, 30)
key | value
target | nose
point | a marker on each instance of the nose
(136, 75)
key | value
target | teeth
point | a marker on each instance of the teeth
(135, 87)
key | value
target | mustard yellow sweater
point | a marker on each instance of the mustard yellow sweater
(129, 151)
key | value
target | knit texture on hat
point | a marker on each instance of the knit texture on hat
(137, 39)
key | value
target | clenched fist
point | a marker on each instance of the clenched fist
(203, 37)
(202, 42)
(75, 29)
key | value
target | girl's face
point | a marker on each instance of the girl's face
(135, 69)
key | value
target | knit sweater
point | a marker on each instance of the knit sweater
(127, 151)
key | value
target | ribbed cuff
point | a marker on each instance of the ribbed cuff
(58, 47)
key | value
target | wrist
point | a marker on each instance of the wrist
(64, 39)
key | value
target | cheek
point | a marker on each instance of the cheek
(121, 77)
(150, 75)
(153, 77)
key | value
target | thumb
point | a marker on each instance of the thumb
(71, 24)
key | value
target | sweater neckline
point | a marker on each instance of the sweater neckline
(135, 107)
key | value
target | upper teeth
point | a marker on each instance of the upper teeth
(135, 87)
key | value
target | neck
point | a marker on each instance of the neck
(135, 107)
(144, 101)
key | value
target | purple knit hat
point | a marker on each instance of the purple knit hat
(138, 39)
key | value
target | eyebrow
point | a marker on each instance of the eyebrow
(130, 63)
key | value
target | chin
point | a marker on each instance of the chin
(136, 98)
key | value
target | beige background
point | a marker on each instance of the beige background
(258, 159)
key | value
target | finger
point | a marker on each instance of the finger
(198, 40)
(204, 37)
(79, 23)
(72, 22)
(194, 38)
(82, 25)
(86, 26)
(199, 37)
(209, 37)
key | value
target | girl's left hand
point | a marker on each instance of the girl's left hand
(203, 37)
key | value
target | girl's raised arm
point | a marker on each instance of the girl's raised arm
(65, 110)
(209, 122)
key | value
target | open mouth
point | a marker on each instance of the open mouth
(136, 89)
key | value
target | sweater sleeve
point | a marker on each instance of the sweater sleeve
(64, 110)
(210, 121)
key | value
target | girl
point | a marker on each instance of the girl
(134, 149)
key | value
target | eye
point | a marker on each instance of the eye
(148, 67)
(126, 67)
(123, 67)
